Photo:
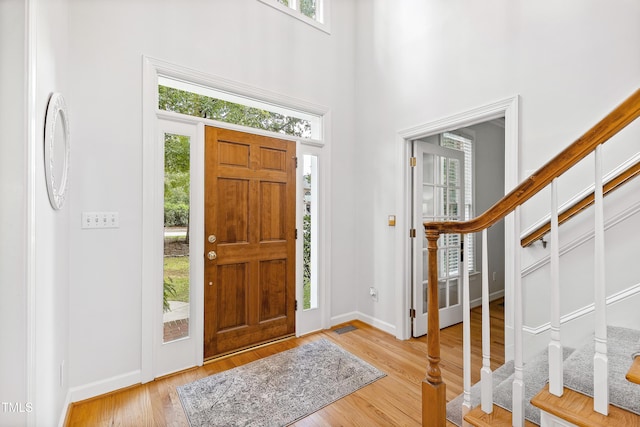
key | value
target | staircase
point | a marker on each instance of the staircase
(576, 402)
(597, 384)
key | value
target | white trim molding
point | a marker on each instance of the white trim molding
(584, 238)
(365, 318)
(101, 387)
(30, 150)
(324, 11)
(587, 309)
(582, 194)
(152, 69)
(507, 108)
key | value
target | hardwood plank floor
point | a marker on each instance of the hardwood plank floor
(391, 401)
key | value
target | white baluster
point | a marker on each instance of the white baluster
(517, 413)
(600, 360)
(466, 332)
(555, 345)
(486, 376)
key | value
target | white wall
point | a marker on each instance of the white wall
(32, 42)
(489, 188)
(243, 40)
(13, 303)
(418, 61)
(407, 63)
(51, 226)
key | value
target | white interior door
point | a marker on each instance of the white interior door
(438, 195)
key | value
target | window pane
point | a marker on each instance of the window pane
(453, 292)
(425, 296)
(427, 201)
(194, 104)
(175, 302)
(308, 8)
(427, 168)
(442, 294)
(310, 232)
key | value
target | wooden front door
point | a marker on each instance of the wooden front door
(249, 240)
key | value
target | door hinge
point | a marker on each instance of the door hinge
(296, 159)
(412, 233)
(412, 162)
(412, 313)
(296, 234)
(296, 308)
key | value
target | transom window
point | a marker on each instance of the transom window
(313, 12)
(208, 103)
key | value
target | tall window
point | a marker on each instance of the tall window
(177, 196)
(310, 231)
(464, 143)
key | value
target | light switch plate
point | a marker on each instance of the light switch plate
(100, 220)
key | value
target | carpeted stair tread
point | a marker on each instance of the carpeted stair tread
(503, 386)
(621, 345)
(454, 407)
(578, 376)
(535, 376)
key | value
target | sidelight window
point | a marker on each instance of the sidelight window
(176, 286)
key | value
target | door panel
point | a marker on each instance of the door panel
(232, 286)
(273, 196)
(272, 290)
(250, 209)
(438, 187)
(233, 210)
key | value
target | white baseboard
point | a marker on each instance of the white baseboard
(101, 387)
(344, 318)
(588, 309)
(377, 323)
(492, 297)
(369, 320)
(65, 410)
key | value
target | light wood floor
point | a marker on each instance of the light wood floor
(391, 401)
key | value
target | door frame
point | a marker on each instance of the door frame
(151, 69)
(507, 108)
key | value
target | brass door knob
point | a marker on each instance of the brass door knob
(212, 255)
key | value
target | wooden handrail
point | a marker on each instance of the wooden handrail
(614, 122)
(611, 185)
(433, 388)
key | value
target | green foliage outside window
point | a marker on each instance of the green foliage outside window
(176, 180)
(193, 104)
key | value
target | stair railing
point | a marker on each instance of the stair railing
(433, 387)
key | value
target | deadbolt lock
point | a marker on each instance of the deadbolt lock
(212, 255)
(212, 238)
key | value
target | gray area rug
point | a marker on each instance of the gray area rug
(277, 390)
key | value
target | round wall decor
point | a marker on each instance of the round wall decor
(56, 150)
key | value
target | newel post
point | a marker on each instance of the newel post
(434, 398)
